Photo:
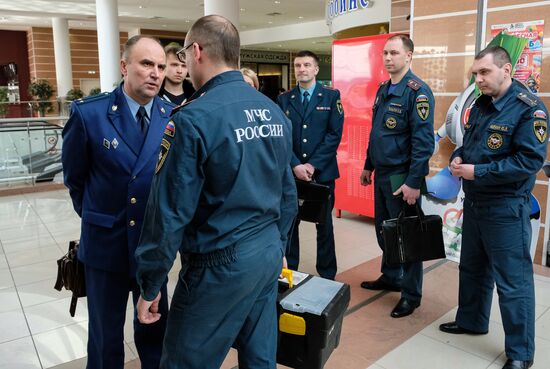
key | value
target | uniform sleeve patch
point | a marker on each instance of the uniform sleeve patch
(170, 129)
(164, 148)
(340, 106)
(540, 128)
(539, 114)
(422, 98)
(423, 108)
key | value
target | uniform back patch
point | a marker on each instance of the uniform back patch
(164, 147)
(540, 129)
(495, 141)
(170, 129)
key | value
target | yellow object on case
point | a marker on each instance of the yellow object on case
(287, 273)
(292, 324)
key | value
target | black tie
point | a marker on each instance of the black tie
(141, 117)
(306, 99)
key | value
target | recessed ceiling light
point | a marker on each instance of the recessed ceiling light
(300, 17)
(270, 22)
(280, 45)
(141, 7)
(243, 9)
(277, 2)
(187, 21)
(164, 25)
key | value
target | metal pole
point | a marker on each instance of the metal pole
(480, 24)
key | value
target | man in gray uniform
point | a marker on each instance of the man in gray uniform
(225, 197)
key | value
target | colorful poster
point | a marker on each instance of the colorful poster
(529, 64)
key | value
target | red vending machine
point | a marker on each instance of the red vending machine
(357, 70)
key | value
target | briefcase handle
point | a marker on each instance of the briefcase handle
(419, 213)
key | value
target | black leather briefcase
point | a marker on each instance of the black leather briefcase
(413, 238)
(313, 201)
(70, 274)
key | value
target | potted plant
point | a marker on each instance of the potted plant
(41, 90)
(95, 91)
(3, 101)
(74, 94)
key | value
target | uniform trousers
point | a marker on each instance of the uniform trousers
(326, 249)
(107, 295)
(386, 206)
(233, 304)
(496, 236)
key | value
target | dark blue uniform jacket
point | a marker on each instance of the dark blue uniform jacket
(506, 140)
(108, 167)
(316, 132)
(223, 178)
(402, 137)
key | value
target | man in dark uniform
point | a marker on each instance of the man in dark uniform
(504, 148)
(400, 145)
(110, 146)
(175, 88)
(317, 119)
(224, 197)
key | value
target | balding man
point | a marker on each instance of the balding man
(225, 197)
(110, 146)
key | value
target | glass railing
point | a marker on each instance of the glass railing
(30, 150)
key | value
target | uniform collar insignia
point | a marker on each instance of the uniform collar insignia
(114, 107)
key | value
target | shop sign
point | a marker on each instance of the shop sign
(336, 8)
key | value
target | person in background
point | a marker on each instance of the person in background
(400, 145)
(317, 119)
(250, 77)
(110, 147)
(504, 148)
(176, 88)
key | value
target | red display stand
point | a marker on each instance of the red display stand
(357, 70)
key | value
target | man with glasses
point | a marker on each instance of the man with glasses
(110, 146)
(224, 196)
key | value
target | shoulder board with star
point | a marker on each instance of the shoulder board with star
(414, 84)
(384, 83)
(328, 88)
(166, 102)
(97, 97)
(528, 99)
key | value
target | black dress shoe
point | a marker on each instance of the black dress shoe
(453, 328)
(404, 307)
(380, 284)
(516, 364)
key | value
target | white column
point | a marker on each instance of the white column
(62, 53)
(227, 8)
(108, 42)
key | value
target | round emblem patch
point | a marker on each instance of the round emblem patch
(391, 123)
(495, 141)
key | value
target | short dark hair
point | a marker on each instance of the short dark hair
(408, 44)
(500, 55)
(172, 48)
(132, 41)
(306, 53)
(219, 38)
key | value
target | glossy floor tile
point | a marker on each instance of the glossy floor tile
(37, 332)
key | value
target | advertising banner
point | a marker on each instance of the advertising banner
(529, 64)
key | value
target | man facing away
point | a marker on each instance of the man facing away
(504, 148)
(224, 197)
(110, 146)
(317, 119)
(401, 144)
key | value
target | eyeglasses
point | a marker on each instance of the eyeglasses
(181, 54)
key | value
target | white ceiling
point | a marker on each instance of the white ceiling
(175, 15)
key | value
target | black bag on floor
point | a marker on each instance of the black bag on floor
(70, 274)
(313, 201)
(413, 238)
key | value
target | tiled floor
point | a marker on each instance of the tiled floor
(36, 330)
